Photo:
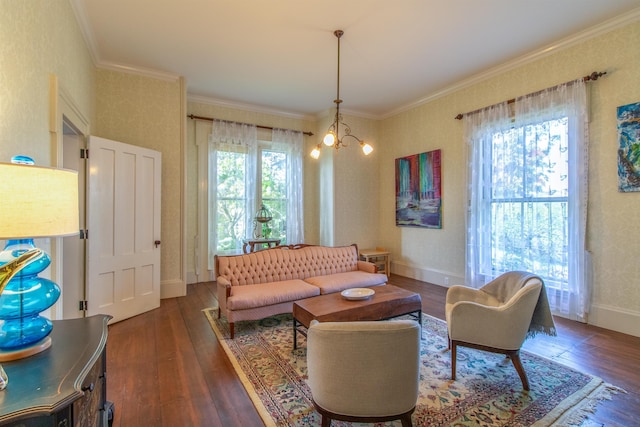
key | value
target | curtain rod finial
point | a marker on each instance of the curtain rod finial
(595, 75)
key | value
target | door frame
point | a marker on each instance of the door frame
(62, 108)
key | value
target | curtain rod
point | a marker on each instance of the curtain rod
(593, 76)
(210, 119)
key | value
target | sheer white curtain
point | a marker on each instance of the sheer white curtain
(292, 142)
(569, 298)
(480, 130)
(238, 138)
(549, 127)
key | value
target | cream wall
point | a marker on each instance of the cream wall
(39, 38)
(148, 112)
(356, 187)
(347, 186)
(613, 225)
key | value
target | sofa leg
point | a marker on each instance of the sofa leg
(231, 329)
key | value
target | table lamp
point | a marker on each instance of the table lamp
(38, 202)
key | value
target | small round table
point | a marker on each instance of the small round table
(249, 245)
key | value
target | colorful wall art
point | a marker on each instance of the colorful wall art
(629, 148)
(418, 190)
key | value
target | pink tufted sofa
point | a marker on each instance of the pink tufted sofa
(264, 283)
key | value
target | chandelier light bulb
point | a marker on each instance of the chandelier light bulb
(366, 148)
(329, 139)
(315, 153)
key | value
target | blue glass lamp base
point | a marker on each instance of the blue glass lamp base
(35, 348)
(23, 295)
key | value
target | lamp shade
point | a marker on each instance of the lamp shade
(38, 201)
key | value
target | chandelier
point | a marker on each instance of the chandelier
(332, 138)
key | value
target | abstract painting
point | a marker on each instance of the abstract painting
(418, 190)
(629, 148)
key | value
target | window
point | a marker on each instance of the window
(230, 215)
(273, 175)
(245, 173)
(233, 220)
(528, 201)
(527, 191)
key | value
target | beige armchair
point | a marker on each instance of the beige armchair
(498, 317)
(364, 371)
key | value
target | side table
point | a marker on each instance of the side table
(378, 256)
(249, 245)
(65, 385)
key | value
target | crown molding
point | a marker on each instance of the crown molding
(331, 111)
(85, 28)
(145, 72)
(360, 114)
(201, 99)
(597, 30)
(87, 33)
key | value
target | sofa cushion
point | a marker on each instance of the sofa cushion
(340, 281)
(251, 296)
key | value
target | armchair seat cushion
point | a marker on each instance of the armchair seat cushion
(351, 279)
(252, 296)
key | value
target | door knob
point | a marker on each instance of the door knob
(157, 243)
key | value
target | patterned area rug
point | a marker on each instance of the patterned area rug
(487, 392)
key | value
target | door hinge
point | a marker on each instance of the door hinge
(84, 153)
(84, 234)
(83, 306)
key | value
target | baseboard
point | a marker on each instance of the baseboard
(603, 316)
(437, 277)
(172, 289)
(615, 319)
(192, 277)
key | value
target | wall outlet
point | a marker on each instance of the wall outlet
(446, 280)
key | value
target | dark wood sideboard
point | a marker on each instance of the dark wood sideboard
(65, 385)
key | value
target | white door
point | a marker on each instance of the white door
(123, 216)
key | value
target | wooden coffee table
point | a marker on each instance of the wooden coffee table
(389, 301)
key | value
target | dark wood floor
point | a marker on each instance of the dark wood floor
(166, 367)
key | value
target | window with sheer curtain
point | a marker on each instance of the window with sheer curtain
(244, 174)
(528, 194)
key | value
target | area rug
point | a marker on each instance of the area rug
(487, 392)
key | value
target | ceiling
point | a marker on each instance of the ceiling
(281, 55)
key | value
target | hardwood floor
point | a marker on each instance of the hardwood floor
(166, 367)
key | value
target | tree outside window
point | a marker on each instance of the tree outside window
(529, 201)
(274, 193)
(231, 197)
